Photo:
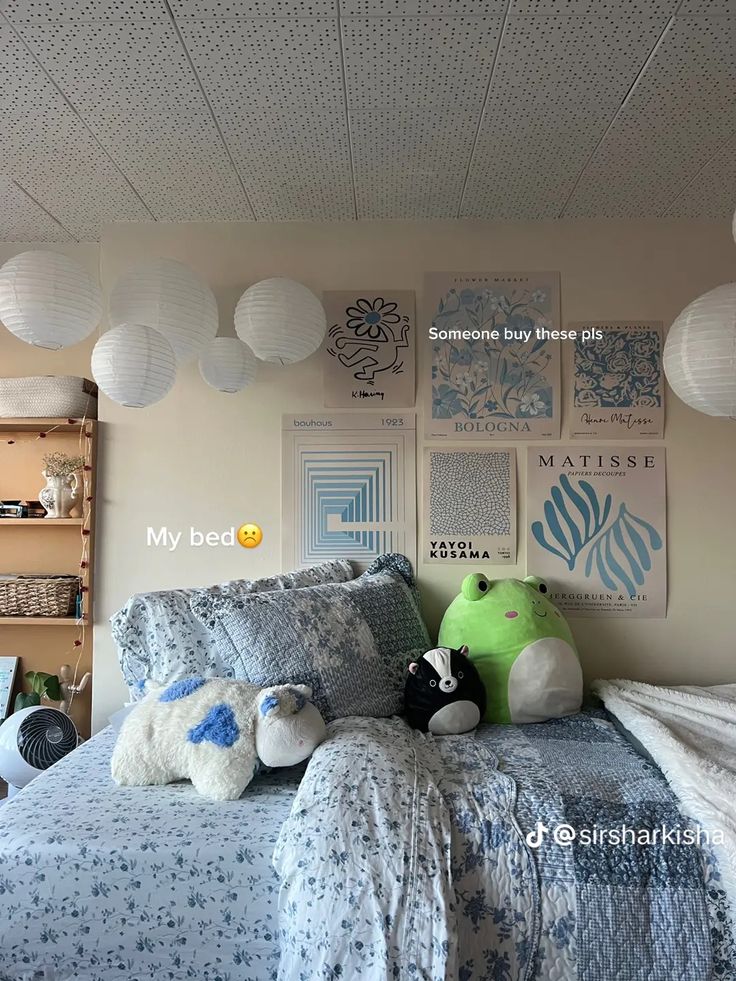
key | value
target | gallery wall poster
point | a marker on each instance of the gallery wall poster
(348, 487)
(369, 353)
(596, 528)
(495, 373)
(469, 513)
(618, 386)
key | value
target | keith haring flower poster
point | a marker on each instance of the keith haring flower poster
(596, 528)
(617, 386)
(368, 357)
(495, 368)
(469, 506)
(348, 487)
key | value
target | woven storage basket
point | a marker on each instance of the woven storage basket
(38, 596)
(48, 396)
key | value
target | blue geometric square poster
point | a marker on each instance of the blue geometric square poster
(349, 487)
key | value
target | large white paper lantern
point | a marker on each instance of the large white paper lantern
(228, 365)
(166, 294)
(280, 321)
(134, 365)
(48, 300)
(700, 353)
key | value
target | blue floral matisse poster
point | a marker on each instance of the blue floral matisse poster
(596, 528)
(618, 389)
(495, 369)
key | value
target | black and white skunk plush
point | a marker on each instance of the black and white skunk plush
(444, 693)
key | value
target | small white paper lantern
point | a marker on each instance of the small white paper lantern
(700, 353)
(280, 321)
(48, 300)
(228, 365)
(134, 365)
(166, 294)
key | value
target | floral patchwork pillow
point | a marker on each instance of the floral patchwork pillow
(160, 639)
(351, 641)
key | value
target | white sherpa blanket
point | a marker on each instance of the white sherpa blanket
(690, 733)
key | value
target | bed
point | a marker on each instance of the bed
(391, 854)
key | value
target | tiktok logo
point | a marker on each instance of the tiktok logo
(535, 838)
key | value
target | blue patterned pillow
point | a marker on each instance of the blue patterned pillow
(159, 638)
(350, 641)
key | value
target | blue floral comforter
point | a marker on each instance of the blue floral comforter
(403, 856)
(406, 856)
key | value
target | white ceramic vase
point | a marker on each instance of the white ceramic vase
(59, 496)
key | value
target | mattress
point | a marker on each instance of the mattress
(105, 883)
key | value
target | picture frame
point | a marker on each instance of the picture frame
(8, 672)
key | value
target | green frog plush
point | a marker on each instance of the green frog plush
(521, 645)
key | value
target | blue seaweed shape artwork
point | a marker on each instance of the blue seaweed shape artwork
(501, 379)
(621, 370)
(576, 517)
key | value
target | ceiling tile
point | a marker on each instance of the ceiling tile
(196, 9)
(22, 220)
(276, 65)
(620, 9)
(134, 87)
(406, 159)
(422, 8)
(401, 62)
(276, 88)
(557, 84)
(707, 8)
(49, 151)
(77, 11)
(712, 192)
(678, 116)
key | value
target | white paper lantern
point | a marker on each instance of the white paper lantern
(134, 365)
(228, 365)
(168, 296)
(700, 353)
(280, 321)
(48, 300)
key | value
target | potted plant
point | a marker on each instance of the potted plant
(59, 496)
(42, 686)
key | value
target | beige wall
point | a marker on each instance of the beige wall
(210, 460)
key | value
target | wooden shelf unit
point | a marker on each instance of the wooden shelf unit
(47, 651)
(46, 522)
(41, 621)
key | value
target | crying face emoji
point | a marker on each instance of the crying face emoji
(250, 535)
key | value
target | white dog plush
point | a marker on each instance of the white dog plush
(213, 732)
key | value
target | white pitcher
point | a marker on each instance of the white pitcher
(59, 495)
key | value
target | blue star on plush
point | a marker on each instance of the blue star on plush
(218, 727)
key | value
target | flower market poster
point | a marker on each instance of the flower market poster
(495, 367)
(368, 357)
(596, 528)
(618, 386)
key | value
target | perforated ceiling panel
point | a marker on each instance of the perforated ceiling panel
(557, 83)
(198, 9)
(712, 192)
(418, 63)
(276, 88)
(339, 109)
(134, 87)
(75, 11)
(406, 169)
(680, 113)
(52, 155)
(22, 220)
